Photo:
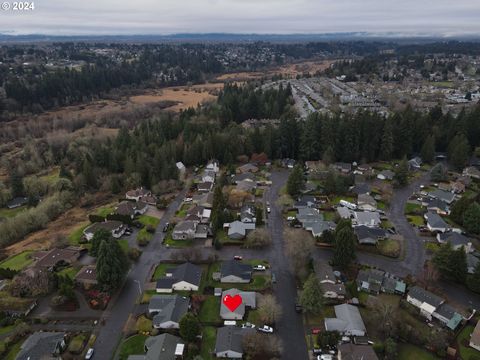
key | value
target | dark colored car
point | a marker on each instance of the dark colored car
(165, 228)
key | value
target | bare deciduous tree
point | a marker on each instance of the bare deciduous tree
(269, 309)
(299, 246)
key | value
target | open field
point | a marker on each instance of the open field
(17, 262)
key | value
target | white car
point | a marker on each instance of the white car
(248, 325)
(89, 354)
(188, 199)
(259, 268)
(325, 357)
(290, 218)
(266, 329)
(268, 209)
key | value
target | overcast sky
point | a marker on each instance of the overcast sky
(69, 17)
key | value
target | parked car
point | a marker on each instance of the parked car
(248, 325)
(188, 199)
(316, 331)
(317, 351)
(325, 357)
(165, 228)
(290, 218)
(259, 268)
(266, 329)
(298, 307)
(89, 354)
(268, 209)
(237, 257)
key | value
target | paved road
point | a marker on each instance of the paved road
(290, 327)
(123, 304)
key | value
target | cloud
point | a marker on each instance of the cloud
(60, 17)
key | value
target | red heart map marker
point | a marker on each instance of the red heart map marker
(232, 302)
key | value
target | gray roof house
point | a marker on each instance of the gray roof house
(229, 343)
(232, 271)
(161, 347)
(184, 230)
(351, 351)
(344, 212)
(17, 202)
(448, 316)
(368, 235)
(348, 321)
(415, 163)
(42, 346)
(370, 280)
(117, 228)
(386, 175)
(361, 188)
(367, 218)
(131, 208)
(185, 277)
(456, 240)
(244, 177)
(366, 202)
(317, 228)
(426, 301)
(249, 299)
(237, 230)
(439, 206)
(445, 196)
(247, 213)
(167, 310)
(331, 289)
(435, 223)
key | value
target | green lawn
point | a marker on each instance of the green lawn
(76, 235)
(143, 324)
(105, 210)
(466, 352)
(329, 215)
(253, 317)
(124, 245)
(389, 247)
(413, 208)
(431, 246)
(132, 346)
(14, 350)
(210, 310)
(160, 270)
(416, 220)
(176, 243)
(149, 220)
(6, 329)
(7, 213)
(209, 335)
(182, 212)
(381, 205)
(69, 271)
(410, 352)
(17, 262)
(77, 344)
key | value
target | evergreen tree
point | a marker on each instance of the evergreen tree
(295, 182)
(401, 173)
(344, 252)
(471, 218)
(112, 265)
(459, 208)
(218, 208)
(259, 216)
(189, 327)
(428, 149)
(99, 236)
(458, 151)
(438, 173)
(16, 183)
(311, 298)
(452, 264)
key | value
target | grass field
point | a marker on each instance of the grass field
(105, 210)
(208, 343)
(131, 346)
(160, 270)
(410, 352)
(124, 245)
(210, 310)
(7, 213)
(416, 220)
(413, 208)
(77, 344)
(17, 262)
(76, 235)
(6, 329)
(69, 271)
(463, 339)
(389, 247)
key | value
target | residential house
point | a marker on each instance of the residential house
(351, 351)
(213, 165)
(249, 299)
(181, 168)
(424, 300)
(237, 230)
(137, 194)
(415, 163)
(472, 262)
(205, 187)
(317, 228)
(200, 213)
(456, 240)
(475, 337)
(370, 280)
(50, 259)
(445, 196)
(366, 202)
(472, 172)
(131, 208)
(161, 347)
(330, 287)
(202, 231)
(247, 168)
(448, 316)
(366, 218)
(305, 201)
(42, 346)
(246, 186)
(458, 187)
(386, 175)
(361, 189)
(344, 168)
(205, 200)
(344, 212)
(369, 235)
(87, 276)
(247, 214)
(185, 277)
(184, 230)
(117, 228)
(438, 206)
(435, 223)
(17, 202)
(244, 177)
(208, 176)
(232, 271)
(348, 321)
(229, 342)
(308, 214)
(167, 310)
